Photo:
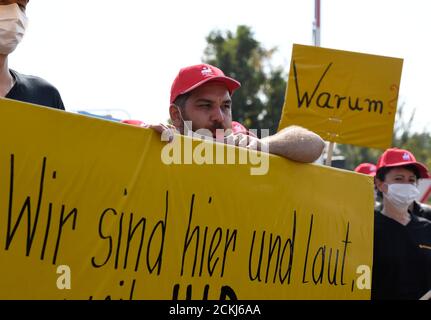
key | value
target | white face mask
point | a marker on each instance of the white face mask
(402, 195)
(13, 23)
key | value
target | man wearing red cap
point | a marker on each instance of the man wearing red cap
(201, 101)
(13, 85)
(402, 240)
(366, 168)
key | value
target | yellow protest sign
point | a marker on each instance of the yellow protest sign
(345, 97)
(89, 209)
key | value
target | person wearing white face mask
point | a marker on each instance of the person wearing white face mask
(402, 240)
(13, 85)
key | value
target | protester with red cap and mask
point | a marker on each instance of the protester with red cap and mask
(402, 240)
(200, 100)
(393, 158)
(13, 85)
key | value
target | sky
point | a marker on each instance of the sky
(120, 57)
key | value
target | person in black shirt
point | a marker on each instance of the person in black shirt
(402, 239)
(14, 85)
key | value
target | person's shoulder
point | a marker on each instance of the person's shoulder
(33, 82)
(33, 89)
(425, 207)
(420, 222)
(422, 210)
(379, 218)
(423, 220)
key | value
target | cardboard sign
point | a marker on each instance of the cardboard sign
(345, 97)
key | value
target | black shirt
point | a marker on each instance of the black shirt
(34, 90)
(422, 210)
(402, 258)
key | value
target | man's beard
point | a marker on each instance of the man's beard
(207, 131)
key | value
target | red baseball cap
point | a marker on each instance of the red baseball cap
(133, 122)
(366, 168)
(189, 78)
(395, 157)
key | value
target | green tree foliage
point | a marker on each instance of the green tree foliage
(259, 102)
(355, 155)
(419, 144)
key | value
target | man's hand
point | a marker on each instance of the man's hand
(246, 141)
(167, 131)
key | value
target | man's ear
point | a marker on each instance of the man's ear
(379, 184)
(175, 115)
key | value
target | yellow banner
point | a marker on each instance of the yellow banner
(345, 97)
(89, 209)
